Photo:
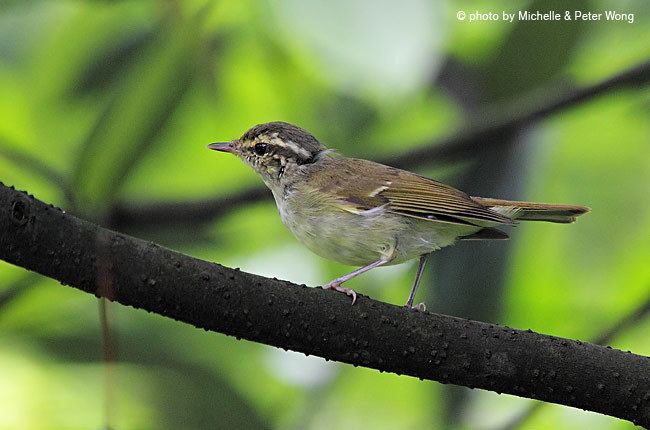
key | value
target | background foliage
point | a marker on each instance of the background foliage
(107, 103)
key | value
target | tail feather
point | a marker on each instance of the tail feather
(528, 211)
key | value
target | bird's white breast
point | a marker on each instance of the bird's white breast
(360, 238)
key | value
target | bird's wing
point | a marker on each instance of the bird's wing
(398, 191)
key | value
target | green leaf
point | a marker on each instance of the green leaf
(144, 101)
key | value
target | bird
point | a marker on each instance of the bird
(366, 214)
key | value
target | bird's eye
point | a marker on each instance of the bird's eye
(260, 148)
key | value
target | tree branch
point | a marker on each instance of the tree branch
(377, 335)
(628, 320)
(481, 134)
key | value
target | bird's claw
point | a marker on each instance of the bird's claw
(420, 307)
(337, 287)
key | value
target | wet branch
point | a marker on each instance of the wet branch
(482, 132)
(373, 334)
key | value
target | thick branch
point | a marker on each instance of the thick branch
(314, 321)
(628, 320)
(478, 136)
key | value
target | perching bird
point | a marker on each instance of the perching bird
(366, 214)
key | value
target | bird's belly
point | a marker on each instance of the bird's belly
(343, 238)
(360, 239)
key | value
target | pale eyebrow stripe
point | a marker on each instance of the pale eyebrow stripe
(288, 144)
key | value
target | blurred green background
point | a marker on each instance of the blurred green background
(110, 104)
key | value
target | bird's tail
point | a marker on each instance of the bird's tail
(527, 211)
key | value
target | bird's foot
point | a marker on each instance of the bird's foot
(337, 287)
(420, 307)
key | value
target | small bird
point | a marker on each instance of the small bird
(366, 214)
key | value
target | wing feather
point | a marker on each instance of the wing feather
(361, 185)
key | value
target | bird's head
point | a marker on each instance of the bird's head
(274, 149)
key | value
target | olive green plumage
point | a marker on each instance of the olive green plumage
(363, 213)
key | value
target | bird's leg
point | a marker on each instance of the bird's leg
(336, 283)
(418, 276)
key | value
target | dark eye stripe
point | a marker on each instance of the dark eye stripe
(260, 148)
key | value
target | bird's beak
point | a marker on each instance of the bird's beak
(223, 147)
